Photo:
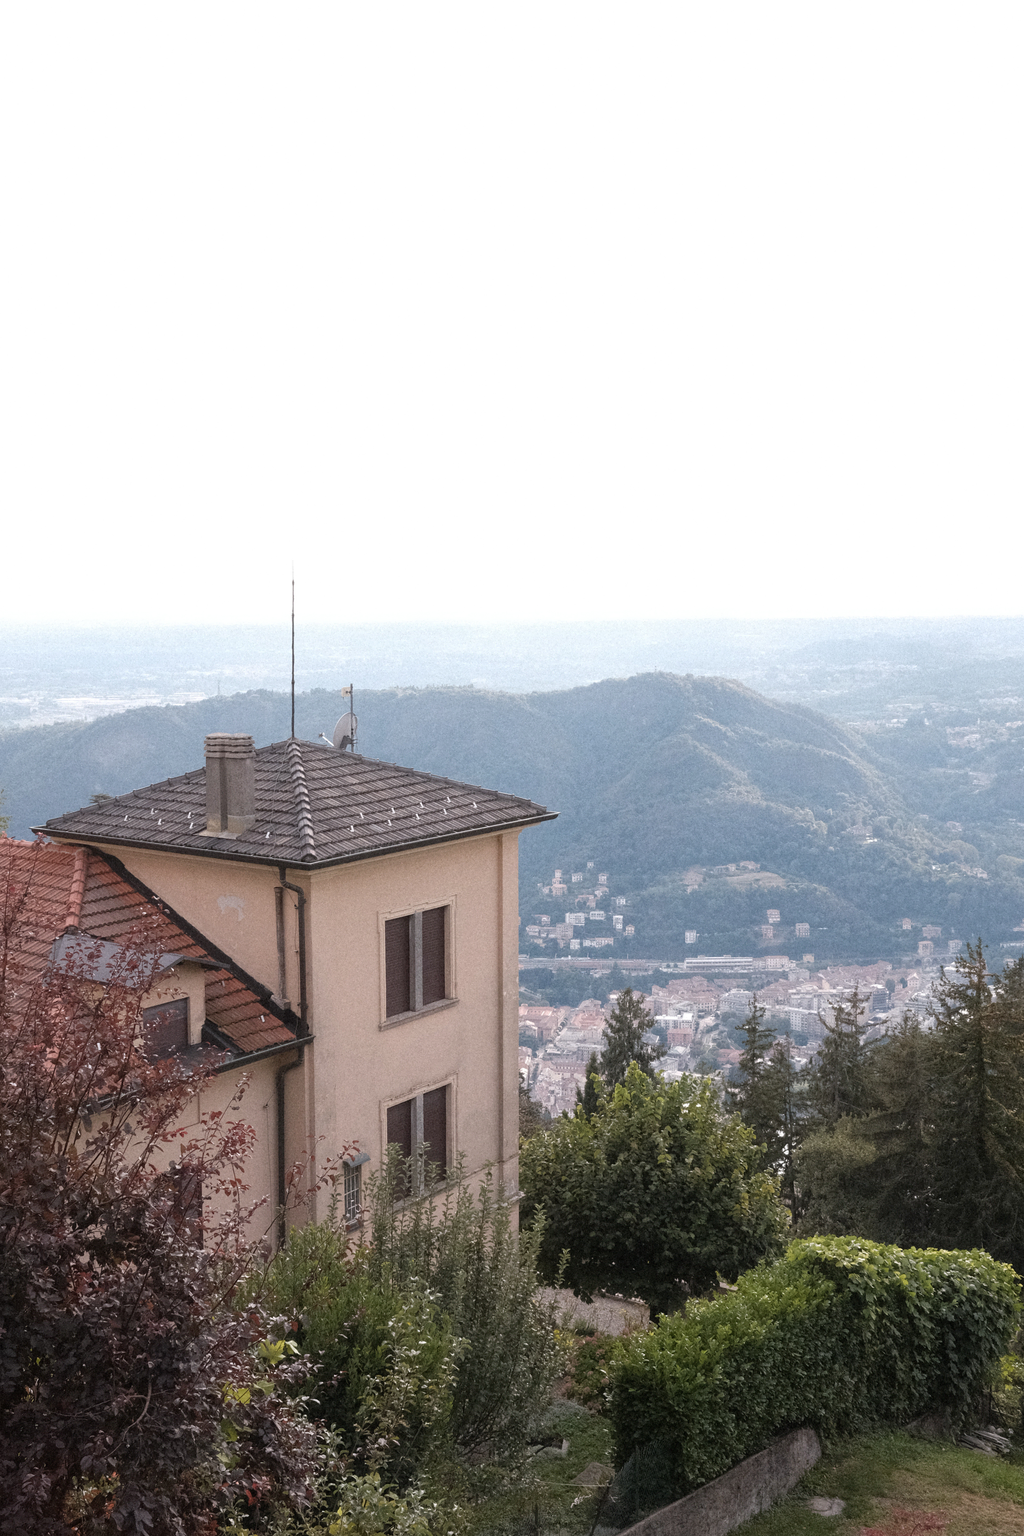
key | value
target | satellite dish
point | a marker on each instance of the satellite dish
(345, 731)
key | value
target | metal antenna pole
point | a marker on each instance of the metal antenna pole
(352, 707)
(293, 653)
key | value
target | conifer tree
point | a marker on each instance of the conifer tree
(755, 1094)
(592, 1092)
(624, 1032)
(902, 1131)
(532, 1117)
(839, 1082)
(785, 1088)
(979, 1144)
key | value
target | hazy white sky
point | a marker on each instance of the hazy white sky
(527, 310)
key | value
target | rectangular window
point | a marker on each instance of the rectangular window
(353, 1187)
(415, 961)
(420, 1125)
(353, 1194)
(435, 1129)
(400, 1127)
(165, 1029)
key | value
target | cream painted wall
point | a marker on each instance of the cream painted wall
(232, 904)
(357, 1064)
(249, 1097)
(363, 1063)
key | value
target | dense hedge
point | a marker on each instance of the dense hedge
(840, 1334)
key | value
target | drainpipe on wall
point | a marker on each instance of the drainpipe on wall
(282, 1175)
(282, 968)
(279, 1084)
(301, 895)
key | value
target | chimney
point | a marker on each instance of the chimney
(230, 785)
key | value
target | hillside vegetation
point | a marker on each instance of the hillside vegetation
(651, 776)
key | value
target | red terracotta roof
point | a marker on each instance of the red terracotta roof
(314, 806)
(67, 888)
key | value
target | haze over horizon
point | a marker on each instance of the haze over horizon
(852, 668)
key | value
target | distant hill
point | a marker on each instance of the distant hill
(651, 775)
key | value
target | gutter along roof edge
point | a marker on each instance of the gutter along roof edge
(274, 861)
(298, 1044)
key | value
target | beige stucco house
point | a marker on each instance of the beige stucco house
(345, 930)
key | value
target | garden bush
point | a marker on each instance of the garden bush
(839, 1335)
(591, 1365)
(467, 1250)
(380, 1357)
(424, 1335)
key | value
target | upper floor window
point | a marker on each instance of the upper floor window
(415, 961)
(165, 1028)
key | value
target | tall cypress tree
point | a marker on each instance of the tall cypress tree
(624, 1042)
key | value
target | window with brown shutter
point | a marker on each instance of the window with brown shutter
(432, 955)
(420, 1124)
(415, 961)
(398, 965)
(435, 1130)
(400, 1135)
(400, 1127)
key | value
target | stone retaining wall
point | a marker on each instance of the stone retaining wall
(739, 1494)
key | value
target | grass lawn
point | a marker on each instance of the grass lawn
(902, 1486)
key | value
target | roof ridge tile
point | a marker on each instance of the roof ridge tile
(304, 810)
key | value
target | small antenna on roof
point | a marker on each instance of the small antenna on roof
(293, 654)
(345, 730)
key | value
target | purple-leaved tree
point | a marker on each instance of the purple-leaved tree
(134, 1395)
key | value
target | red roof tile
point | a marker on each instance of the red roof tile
(65, 887)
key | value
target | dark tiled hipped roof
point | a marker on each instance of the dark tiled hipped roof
(314, 805)
(80, 892)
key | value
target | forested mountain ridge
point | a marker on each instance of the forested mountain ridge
(651, 775)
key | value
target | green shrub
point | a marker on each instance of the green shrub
(590, 1371)
(839, 1335)
(382, 1358)
(484, 1275)
(1008, 1393)
(367, 1509)
(429, 1335)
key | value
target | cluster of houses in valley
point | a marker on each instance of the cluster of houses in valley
(696, 1018)
(585, 914)
(595, 918)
